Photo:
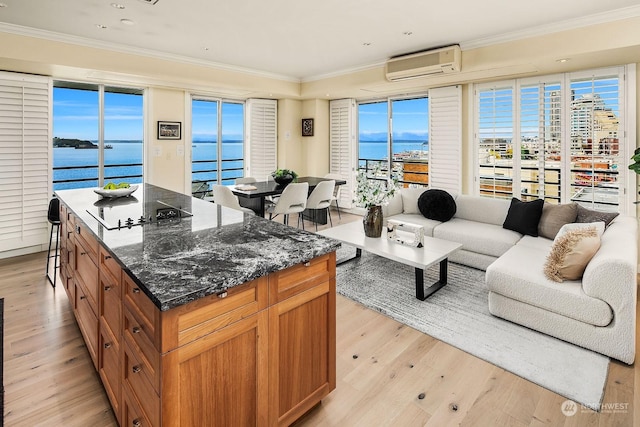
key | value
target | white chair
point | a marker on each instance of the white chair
(246, 180)
(336, 191)
(292, 200)
(223, 196)
(320, 198)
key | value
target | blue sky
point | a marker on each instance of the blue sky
(410, 120)
(75, 115)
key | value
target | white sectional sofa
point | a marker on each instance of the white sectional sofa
(597, 312)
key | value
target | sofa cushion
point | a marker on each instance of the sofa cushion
(437, 204)
(524, 217)
(588, 215)
(571, 253)
(481, 209)
(518, 274)
(410, 199)
(394, 205)
(554, 217)
(480, 237)
(599, 227)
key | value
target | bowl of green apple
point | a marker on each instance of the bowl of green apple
(122, 189)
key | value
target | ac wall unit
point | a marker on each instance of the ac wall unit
(436, 61)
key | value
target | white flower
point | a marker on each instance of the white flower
(374, 192)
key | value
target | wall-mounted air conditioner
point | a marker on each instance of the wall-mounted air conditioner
(436, 61)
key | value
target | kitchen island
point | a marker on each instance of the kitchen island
(196, 314)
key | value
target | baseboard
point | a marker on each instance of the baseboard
(23, 251)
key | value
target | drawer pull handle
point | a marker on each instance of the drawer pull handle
(222, 294)
(136, 290)
(83, 253)
(136, 369)
(107, 288)
(107, 257)
(107, 345)
(69, 233)
(83, 296)
(135, 330)
(136, 423)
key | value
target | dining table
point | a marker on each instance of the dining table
(253, 195)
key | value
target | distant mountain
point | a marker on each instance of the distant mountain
(75, 143)
(398, 136)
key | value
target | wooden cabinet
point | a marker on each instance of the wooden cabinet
(262, 353)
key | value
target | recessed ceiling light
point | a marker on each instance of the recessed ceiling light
(127, 21)
(562, 60)
(366, 44)
(101, 26)
(408, 33)
(117, 5)
(205, 48)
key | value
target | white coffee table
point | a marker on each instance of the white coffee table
(434, 250)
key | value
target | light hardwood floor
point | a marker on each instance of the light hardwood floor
(388, 374)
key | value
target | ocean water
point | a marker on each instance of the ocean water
(131, 153)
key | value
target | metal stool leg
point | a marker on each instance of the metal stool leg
(54, 256)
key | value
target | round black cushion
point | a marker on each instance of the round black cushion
(437, 204)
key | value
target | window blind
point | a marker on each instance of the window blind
(24, 160)
(262, 137)
(445, 138)
(342, 143)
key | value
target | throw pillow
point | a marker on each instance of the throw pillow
(410, 199)
(599, 226)
(554, 217)
(588, 215)
(437, 204)
(524, 217)
(571, 253)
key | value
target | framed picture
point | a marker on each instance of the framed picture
(169, 130)
(307, 127)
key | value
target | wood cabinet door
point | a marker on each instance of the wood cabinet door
(302, 352)
(219, 379)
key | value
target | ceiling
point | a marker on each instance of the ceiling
(297, 39)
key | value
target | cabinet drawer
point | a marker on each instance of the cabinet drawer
(135, 377)
(132, 414)
(86, 239)
(88, 323)
(287, 283)
(87, 275)
(187, 323)
(109, 265)
(146, 313)
(140, 342)
(109, 367)
(110, 303)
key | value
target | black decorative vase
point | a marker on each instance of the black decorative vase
(283, 180)
(372, 222)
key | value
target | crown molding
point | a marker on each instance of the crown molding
(119, 48)
(541, 30)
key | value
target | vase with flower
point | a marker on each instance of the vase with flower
(372, 192)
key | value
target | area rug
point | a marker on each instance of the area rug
(458, 314)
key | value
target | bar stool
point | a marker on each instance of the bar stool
(54, 219)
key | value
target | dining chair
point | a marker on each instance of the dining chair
(320, 199)
(246, 180)
(336, 191)
(292, 200)
(223, 195)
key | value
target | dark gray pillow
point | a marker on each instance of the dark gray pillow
(588, 215)
(524, 217)
(554, 217)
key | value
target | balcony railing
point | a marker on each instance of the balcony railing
(202, 186)
(409, 172)
(87, 175)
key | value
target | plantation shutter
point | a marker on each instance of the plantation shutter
(341, 146)
(25, 162)
(262, 137)
(445, 138)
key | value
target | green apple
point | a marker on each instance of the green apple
(123, 185)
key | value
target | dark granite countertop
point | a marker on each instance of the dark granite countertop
(209, 249)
